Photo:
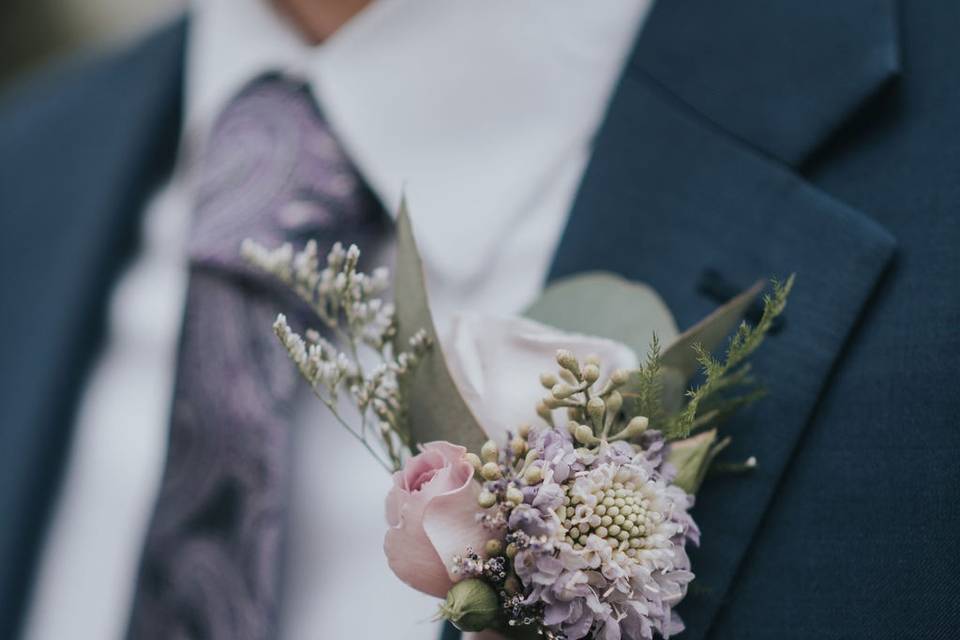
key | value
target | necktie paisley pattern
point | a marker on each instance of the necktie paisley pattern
(271, 171)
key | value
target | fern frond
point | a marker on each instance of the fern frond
(722, 375)
(644, 391)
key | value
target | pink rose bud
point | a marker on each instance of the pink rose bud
(432, 512)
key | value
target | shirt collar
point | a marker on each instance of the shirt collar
(470, 108)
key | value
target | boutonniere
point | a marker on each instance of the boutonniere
(544, 467)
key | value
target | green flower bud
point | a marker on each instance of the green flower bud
(562, 391)
(568, 361)
(512, 585)
(514, 495)
(584, 435)
(590, 373)
(524, 431)
(489, 451)
(619, 377)
(474, 460)
(595, 409)
(486, 499)
(490, 471)
(519, 446)
(692, 457)
(471, 605)
(533, 474)
(532, 455)
(551, 403)
(593, 359)
(614, 402)
(511, 550)
(635, 427)
(544, 412)
(548, 380)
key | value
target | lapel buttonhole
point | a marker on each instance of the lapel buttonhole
(715, 286)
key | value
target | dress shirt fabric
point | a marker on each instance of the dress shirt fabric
(483, 114)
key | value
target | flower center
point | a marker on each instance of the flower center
(423, 478)
(622, 514)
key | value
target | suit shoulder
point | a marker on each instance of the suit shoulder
(65, 94)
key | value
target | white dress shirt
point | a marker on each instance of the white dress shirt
(484, 113)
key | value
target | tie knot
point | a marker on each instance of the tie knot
(272, 170)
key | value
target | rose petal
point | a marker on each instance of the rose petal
(438, 472)
(450, 453)
(450, 522)
(418, 466)
(395, 500)
(413, 559)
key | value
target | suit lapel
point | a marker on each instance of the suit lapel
(79, 153)
(691, 175)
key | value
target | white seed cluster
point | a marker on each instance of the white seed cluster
(339, 294)
(344, 300)
(318, 360)
(623, 516)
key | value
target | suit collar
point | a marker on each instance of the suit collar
(80, 151)
(692, 175)
(780, 76)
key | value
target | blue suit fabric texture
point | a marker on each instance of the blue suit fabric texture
(745, 139)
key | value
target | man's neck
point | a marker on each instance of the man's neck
(317, 20)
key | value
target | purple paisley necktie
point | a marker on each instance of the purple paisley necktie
(211, 563)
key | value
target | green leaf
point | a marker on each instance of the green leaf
(605, 305)
(692, 458)
(436, 409)
(709, 333)
(721, 375)
(679, 361)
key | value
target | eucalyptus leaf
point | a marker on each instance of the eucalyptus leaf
(606, 305)
(436, 409)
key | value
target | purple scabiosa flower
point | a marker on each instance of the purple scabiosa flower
(600, 541)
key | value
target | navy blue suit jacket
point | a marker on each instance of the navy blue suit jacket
(746, 138)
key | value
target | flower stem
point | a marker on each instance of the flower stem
(336, 414)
